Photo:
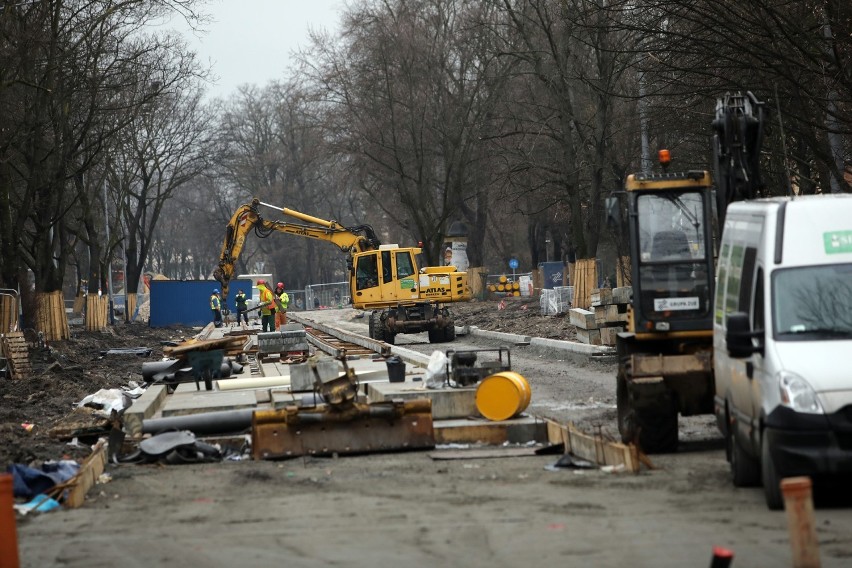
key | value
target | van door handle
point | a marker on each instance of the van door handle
(749, 369)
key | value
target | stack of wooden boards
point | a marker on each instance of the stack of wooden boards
(606, 318)
(233, 345)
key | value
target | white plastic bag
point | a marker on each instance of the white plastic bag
(436, 371)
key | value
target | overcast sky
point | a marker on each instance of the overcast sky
(250, 41)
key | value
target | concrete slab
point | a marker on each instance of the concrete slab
(144, 407)
(181, 404)
(572, 346)
(516, 431)
(446, 402)
(510, 338)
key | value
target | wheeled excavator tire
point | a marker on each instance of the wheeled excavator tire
(377, 328)
(654, 428)
(444, 335)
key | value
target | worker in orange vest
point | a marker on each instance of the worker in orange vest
(267, 312)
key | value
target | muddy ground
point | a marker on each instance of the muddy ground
(65, 372)
(410, 509)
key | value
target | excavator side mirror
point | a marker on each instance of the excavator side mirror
(613, 211)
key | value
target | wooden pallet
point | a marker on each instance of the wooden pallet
(17, 356)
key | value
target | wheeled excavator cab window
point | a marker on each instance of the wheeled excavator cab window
(673, 274)
(366, 272)
(404, 266)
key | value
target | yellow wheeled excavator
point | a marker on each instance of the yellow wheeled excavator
(386, 279)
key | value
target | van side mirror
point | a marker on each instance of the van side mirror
(739, 336)
(613, 212)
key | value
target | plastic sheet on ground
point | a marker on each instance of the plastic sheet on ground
(107, 401)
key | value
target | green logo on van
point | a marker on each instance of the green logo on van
(837, 241)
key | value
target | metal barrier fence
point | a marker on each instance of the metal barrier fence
(297, 301)
(320, 296)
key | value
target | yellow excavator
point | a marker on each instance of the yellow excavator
(382, 278)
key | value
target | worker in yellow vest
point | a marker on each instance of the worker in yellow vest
(267, 312)
(216, 307)
(281, 305)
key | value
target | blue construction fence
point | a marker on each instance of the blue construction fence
(187, 302)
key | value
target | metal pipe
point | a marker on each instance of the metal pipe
(208, 423)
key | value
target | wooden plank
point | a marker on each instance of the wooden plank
(78, 304)
(8, 313)
(130, 308)
(622, 295)
(581, 318)
(601, 297)
(585, 280)
(90, 471)
(594, 448)
(589, 336)
(609, 334)
(235, 342)
(612, 314)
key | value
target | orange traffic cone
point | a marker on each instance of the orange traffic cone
(8, 527)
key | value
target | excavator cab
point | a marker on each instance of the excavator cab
(671, 242)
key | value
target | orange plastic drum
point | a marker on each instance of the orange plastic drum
(502, 396)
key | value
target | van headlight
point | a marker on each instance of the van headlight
(797, 394)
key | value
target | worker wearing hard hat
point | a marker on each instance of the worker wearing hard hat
(267, 312)
(281, 302)
(216, 307)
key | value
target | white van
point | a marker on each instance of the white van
(782, 339)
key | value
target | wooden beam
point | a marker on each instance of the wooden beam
(593, 447)
(90, 471)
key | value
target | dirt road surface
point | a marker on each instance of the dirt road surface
(411, 510)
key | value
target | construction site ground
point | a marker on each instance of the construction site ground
(411, 509)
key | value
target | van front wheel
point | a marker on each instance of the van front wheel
(770, 477)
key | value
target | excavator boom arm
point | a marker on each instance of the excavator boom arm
(247, 218)
(737, 141)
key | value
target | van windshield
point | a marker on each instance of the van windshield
(812, 302)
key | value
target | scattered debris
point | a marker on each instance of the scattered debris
(39, 504)
(137, 351)
(570, 461)
(173, 448)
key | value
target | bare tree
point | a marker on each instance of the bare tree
(411, 87)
